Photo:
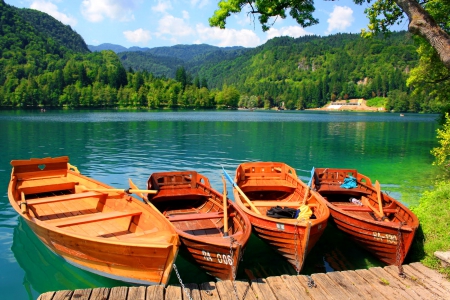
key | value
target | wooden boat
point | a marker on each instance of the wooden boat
(260, 186)
(215, 238)
(373, 219)
(90, 225)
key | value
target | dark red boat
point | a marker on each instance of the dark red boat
(210, 226)
(373, 219)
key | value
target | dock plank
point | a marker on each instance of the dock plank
(155, 292)
(261, 289)
(279, 288)
(346, 284)
(394, 282)
(333, 290)
(295, 287)
(100, 294)
(426, 282)
(316, 292)
(208, 291)
(46, 296)
(380, 285)
(226, 290)
(136, 292)
(173, 292)
(193, 292)
(365, 287)
(119, 293)
(433, 275)
(82, 294)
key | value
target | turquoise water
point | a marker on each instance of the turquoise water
(112, 146)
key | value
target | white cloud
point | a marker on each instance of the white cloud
(175, 27)
(138, 36)
(185, 15)
(52, 10)
(199, 3)
(292, 31)
(227, 37)
(97, 10)
(340, 19)
(162, 6)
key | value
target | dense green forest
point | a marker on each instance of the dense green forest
(46, 63)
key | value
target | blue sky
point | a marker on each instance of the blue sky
(157, 23)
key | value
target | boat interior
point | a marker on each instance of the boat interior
(70, 202)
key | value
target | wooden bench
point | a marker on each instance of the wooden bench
(50, 185)
(364, 208)
(69, 197)
(198, 216)
(89, 218)
(263, 184)
(180, 192)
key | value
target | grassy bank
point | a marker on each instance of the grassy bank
(434, 233)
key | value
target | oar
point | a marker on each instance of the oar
(365, 201)
(225, 203)
(380, 204)
(241, 192)
(140, 194)
(308, 186)
(128, 191)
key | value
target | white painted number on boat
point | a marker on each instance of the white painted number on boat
(280, 226)
(224, 259)
(206, 255)
(390, 238)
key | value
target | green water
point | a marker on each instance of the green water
(112, 146)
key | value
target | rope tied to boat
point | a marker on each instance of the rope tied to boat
(188, 294)
(399, 251)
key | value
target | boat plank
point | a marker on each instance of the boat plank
(92, 218)
(136, 292)
(118, 293)
(99, 294)
(412, 284)
(379, 285)
(261, 289)
(155, 292)
(364, 286)
(394, 283)
(296, 288)
(346, 284)
(60, 198)
(316, 292)
(279, 288)
(208, 291)
(333, 290)
(173, 292)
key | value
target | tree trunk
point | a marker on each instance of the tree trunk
(422, 24)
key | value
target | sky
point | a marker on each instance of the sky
(157, 23)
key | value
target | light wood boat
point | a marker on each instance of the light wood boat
(90, 225)
(260, 186)
(214, 237)
(376, 221)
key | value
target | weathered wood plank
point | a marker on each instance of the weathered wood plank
(82, 294)
(155, 292)
(100, 294)
(365, 287)
(136, 292)
(173, 292)
(261, 289)
(346, 284)
(118, 293)
(407, 282)
(333, 290)
(62, 295)
(433, 275)
(279, 288)
(393, 282)
(380, 285)
(193, 291)
(316, 292)
(46, 296)
(226, 290)
(208, 291)
(425, 281)
(295, 287)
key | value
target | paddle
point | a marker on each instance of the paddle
(241, 192)
(380, 204)
(134, 187)
(225, 203)
(128, 191)
(308, 187)
(365, 201)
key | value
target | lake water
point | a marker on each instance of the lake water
(112, 146)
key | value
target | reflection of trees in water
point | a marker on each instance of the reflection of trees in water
(45, 271)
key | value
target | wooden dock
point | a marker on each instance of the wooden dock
(378, 283)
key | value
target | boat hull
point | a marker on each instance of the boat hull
(387, 233)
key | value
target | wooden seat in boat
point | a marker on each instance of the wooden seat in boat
(267, 184)
(46, 185)
(69, 197)
(197, 216)
(89, 218)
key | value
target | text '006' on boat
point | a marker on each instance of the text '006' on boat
(211, 227)
(373, 219)
(91, 225)
(283, 211)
